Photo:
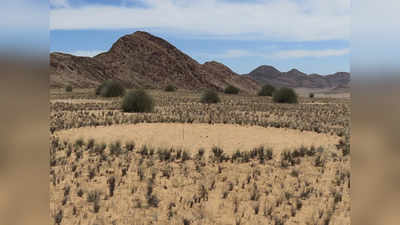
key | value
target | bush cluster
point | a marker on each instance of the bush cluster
(285, 95)
(231, 90)
(137, 101)
(210, 96)
(170, 88)
(68, 88)
(266, 90)
(110, 88)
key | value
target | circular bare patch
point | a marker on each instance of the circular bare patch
(79, 101)
(194, 136)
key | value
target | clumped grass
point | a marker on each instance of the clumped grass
(235, 205)
(111, 185)
(311, 151)
(58, 217)
(90, 143)
(294, 173)
(200, 154)
(344, 145)
(66, 190)
(286, 159)
(266, 90)
(99, 148)
(68, 88)
(129, 146)
(115, 148)
(337, 197)
(225, 194)
(186, 222)
(285, 95)
(144, 150)
(170, 88)
(91, 173)
(164, 154)
(140, 173)
(110, 88)
(185, 155)
(78, 155)
(231, 90)
(319, 161)
(68, 152)
(79, 142)
(261, 153)
(93, 196)
(152, 200)
(80, 193)
(138, 101)
(254, 194)
(218, 154)
(256, 208)
(311, 95)
(236, 156)
(299, 204)
(96, 206)
(210, 96)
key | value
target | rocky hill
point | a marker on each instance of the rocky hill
(297, 79)
(143, 60)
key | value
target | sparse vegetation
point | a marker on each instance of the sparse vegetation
(279, 185)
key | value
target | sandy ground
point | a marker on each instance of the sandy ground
(321, 93)
(79, 101)
(195, 136)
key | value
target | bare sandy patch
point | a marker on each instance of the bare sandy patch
(322, 93)
(194, 136)
(79, 101)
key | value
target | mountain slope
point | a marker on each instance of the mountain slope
(74, 70)
(143, 60)
(296, 79)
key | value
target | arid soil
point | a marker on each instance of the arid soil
(245, 160)
(195, 136)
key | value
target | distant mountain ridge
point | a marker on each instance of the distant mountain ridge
(143, 60)
(297, 79)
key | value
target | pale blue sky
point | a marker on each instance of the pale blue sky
(310, 35)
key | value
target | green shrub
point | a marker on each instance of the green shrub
(285, 95)
(170, 88)
(311, 95)
(98, 89)
(138, 101)
(110, 88)
(231, 90)
(68, 88)
(210, 96)
(266, 90)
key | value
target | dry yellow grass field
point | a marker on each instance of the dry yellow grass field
(245, 160)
